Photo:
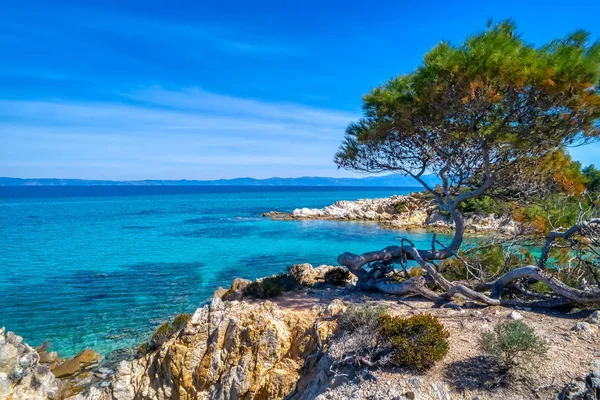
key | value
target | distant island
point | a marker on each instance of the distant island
(387, 180)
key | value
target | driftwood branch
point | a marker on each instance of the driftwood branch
(562, 294)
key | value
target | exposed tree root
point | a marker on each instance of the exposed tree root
(376, 278)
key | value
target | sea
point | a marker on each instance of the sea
(103, 266)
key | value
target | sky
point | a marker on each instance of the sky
(204, 90)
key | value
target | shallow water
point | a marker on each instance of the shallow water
(102, 267)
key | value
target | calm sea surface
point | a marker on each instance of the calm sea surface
(102, 267)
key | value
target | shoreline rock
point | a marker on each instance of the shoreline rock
(405, 212)
(22, 376)
(227, 350)
(270, 350)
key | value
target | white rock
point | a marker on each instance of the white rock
(17, 359)
(515, 316)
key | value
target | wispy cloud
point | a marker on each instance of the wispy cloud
(192, 36)
(187, 133)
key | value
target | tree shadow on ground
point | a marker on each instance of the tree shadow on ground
(480, 372)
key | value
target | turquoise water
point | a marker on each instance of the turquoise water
(102, 267)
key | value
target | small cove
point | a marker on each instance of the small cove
(102, 269)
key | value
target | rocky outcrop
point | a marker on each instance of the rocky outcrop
(309, 276)
(227, 350)
(22, 375)
(586, 388)
(401, 212)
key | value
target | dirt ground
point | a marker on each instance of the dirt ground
(464, 370)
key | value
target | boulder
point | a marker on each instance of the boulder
(67, 368)
(88, 356)
(585, 329)
(584, 388)
(515, 316)
(236, 291)
(22, 376)
(574, 390)
(219, 293)
(308, 276)
(228, 350)
(594, 318)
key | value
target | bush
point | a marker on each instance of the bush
(417, 342)
(272, 286)
(337, 276)
(483, 205)
(401, 206)
(357, 317)
(489, 260)
(161, 335)
(166, 330)
(142, 350)
(512, 341)
(180, 321)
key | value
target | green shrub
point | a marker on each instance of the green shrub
(417, 341)
(401, 206)
(364, 316)
(482, 205)
(161, 335)
(272, 286)
(180, 321)
(337, 276)
(489, 260)
(512, 341)
(142, 350)
(166, 330)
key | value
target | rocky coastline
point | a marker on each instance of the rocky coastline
(403, 212)
(237, 347)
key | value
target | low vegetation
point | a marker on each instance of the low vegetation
(360, 317)
(272, 286)
(337, 276)
(418, 341)
(165, 331)
(513, 342)
(369, 335)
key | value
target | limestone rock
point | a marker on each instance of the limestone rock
(307, 275)
(594, 318)
(219, 293)
(227, 350)
(88, 356)
(515, 316)
(236, 291)
(573, 391)
(583, 389)
(585, 329)
(21, 374)
(402, 212)
(67, 368)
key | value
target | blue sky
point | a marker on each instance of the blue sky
(202, 90)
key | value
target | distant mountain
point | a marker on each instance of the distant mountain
(388, 180)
